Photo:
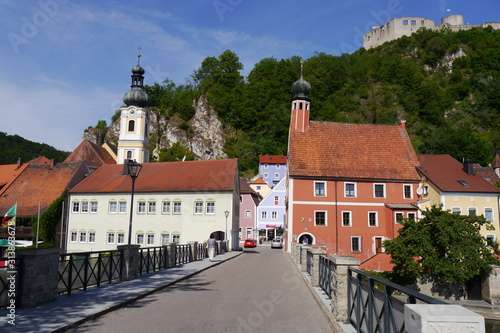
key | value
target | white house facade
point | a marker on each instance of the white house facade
(173, 202)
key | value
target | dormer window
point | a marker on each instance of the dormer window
(463, 182)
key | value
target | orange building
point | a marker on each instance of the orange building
(348, 184)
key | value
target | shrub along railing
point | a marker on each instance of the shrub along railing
(83, 269)
(371, 309)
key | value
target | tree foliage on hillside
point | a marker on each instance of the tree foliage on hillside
(13, 147)
(445, 84)
(446, 245)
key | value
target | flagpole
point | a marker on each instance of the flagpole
(62, 222)
(38, 224)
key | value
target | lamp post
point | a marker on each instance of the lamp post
(134, 169)
(227, 214)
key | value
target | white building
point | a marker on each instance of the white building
(173, 202)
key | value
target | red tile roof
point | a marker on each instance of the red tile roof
(446, 172)
(94, 155)
(272, 159)
(343, 150)
(246, 189)
(213, 175)
(259, 180)
(40, 183)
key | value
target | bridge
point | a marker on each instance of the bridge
(176, 289)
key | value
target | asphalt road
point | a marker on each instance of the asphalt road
(259, 291)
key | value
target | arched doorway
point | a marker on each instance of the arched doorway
(306, 239)
(219, 235)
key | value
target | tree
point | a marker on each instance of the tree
(448, 246)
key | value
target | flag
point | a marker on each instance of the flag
(10, 216)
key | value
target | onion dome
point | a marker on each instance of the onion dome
(137, 96)
(301, 88)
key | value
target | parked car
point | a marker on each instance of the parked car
(250, 243)
(277, 243)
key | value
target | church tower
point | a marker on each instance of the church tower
(133, 142)
(300, 103)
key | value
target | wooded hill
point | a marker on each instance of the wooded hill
(13, 147)
(445, 84)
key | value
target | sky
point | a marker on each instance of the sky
(66, 63)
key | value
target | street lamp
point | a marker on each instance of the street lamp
(134, 169)
(227, 214)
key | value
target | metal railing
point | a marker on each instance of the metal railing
(83, 269)
(325, 275)
(372, 310)
(309, 262)
(201, 251)
(9, 269)
(182, 253)
(152, 259)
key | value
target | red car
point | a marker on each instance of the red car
(250, 243)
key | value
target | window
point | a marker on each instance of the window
(76, 206)
(93, 206)
(129, 154)
(151, 239)
(350, 189)
(91, 236)
(407, 191)
(456, 210)
(112, 206)
(276, 200)
(463, 182)
(177, 207)
(488, 214)
(74, 236)
(490, 240)
(165, 238)
(274, 215)
(405, 22)
(258, 187)
(356, 244)
(319, 189)
(120, 238)
(412, 216)
(210, 207)
(320, 218)
(176, 238)
(399, 217)
(198, 207)
(83, 236)
(141, 207)
(248, 214)
(277, 166)
(165, 207)
(472, 211)
(131, 125)
(422, 22)
(123, 207)
(346, 219)
(85, 207)
(266, 175)
(264, 215)
(372, 219)
(379, 190)
(151, 207)
(140, 239)
(266, 166)
(276, 175)
(111, 237)
(413, 22)
(249, 233)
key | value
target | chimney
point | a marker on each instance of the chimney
(468, 167)
(19, 163)
(402, 123)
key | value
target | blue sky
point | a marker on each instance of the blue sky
(66, 63)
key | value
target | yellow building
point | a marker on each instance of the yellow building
(455, 186)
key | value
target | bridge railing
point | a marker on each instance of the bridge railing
(372, 305)
(84, 269)
(152, 259)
